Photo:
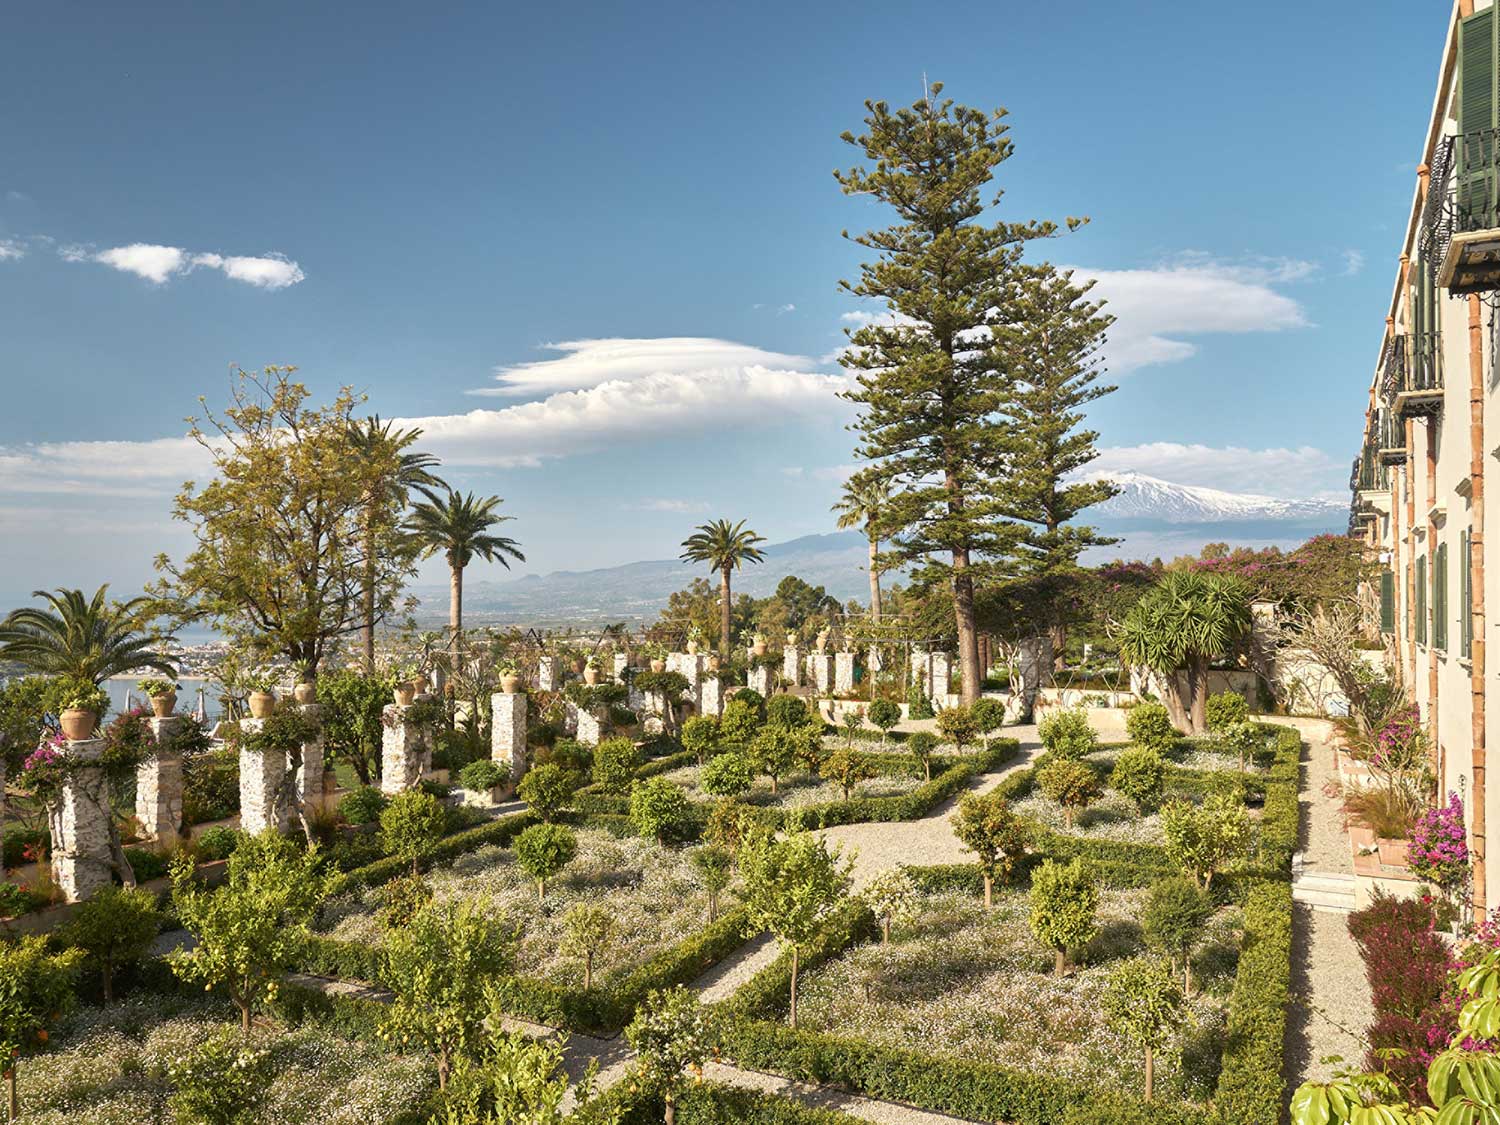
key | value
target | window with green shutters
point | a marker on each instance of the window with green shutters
(1421, 607)
(1465, 597)
(1387, 602)
(1477, 99)
(1440, 598)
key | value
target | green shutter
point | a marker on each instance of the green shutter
(1476, 112)
(1387, 602)
(1440, 598)
(1421, 585)
(1465, 597)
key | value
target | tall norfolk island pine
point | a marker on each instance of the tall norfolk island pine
(938, 387)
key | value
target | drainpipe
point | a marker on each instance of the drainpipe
(1476, 595)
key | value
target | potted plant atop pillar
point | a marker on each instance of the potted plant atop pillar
(82, 702)
(758, 644)
(822, 641)
(591, 671)
(510, 677)
(262, 695)
(306, 689)
(163, 696)
(404, 686)
(656, 654)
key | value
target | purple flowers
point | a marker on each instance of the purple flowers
(1439, 849)
(47, 754)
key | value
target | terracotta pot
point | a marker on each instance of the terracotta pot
(578, 666)
(791, 638)
(419, 684)
(164, 705)
(510, 683)
(78, 724)
(591, 675)
(758, 648)
(692, 648)
(305, 693)
(262, 703)
(658, 665)
(713, 662)
(1393, 852)
(404, 693)
(823, 641)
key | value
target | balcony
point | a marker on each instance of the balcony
(1370, 474)
(1414, 374)
(1391, 435)
(1461, 220)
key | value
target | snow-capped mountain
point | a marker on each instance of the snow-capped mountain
(1144, 497)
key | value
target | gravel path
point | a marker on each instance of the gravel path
(825, 1097)
(1325, 845)
(724, 979)
(878, 847)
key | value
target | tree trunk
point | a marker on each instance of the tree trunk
(1067, 818)
(968, 635)
(367, 630)
(1198, 694)
(455, 613)
(794, 987)
(443, 1064)
(10, 1089)
(989, 891)
(1060, 967)
(671, 1109)
(244, 1018)
(588, 971)
(1150, 1073)
(1187, 975)
(107, 979)
(713, 906)
(1174, 694)
(874, 582)
(725, 625)
(541, 890)
(885, 930)
(1059, 634)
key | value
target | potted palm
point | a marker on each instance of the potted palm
(82, 702)
(162, 693)
(306, 689)
(262, 694)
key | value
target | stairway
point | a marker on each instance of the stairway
(1324, 890)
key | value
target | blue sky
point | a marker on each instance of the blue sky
(410, 198)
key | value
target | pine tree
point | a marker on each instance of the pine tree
(929, 383)
(1051, 346)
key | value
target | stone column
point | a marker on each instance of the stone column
(820, 669)
(843, 671)
(80, 827)
(711, 696)
(921, 668)
(621, 661)
(588, 724)
(158, 785)
(761, 678)
(546, 673)
(262, 773)
(942, 675)
(791, 665)
(873, 661)
(653, 712)
(508, 732)
(402, 751)
(307, 786)
(690, 665)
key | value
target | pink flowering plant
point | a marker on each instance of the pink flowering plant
(45, 769)
(1439, 850)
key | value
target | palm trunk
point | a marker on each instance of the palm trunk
(455, 614)
(874, 582)
(1198, 694)
(725, 625)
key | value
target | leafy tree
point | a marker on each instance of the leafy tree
(1143, 1003)
(400, 900)
(989, 716)
(1064, 901)
(1149, 725)
(861, 504)
(411, 825)
(36, 989)
(221, 1080)
(787, 711)
(1140, 774)
(740, 722)
(363, 805)
(792, 884)
(1223, 710)
(853, 723)
(114, 929)
(884, 715)
(1201, 839)
(548, 789)
(673, 1035)
(726, 775)
(252, 929)
(615, 763)
(713, 865)
(588, 928)
(956, 724)
(730, 824)
(921, 745)
(1187, 620)
(85, 638)
(892, 897)
(515, 1080)
(660, 810)
(284, 530)
(928, 388)
(352, 706)
(1175, 916)
(1072, 784)
(848, 768)
(543, 850)
(700, 736)
(997, 836)
(1068, 732)
(807, 745)
(774, 750)
(724, 547)
(439, 965)
(459, 526)
(1243, 740)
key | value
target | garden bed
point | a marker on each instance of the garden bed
(802, 790)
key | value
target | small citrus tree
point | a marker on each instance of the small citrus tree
(1143, 1003)
(892, 897)
(848, 768)
(700, 735)
(588, 928)
(36, 988)
(774, 750)
(411, 825)
(615, 763)
(1072, 784)
(989, 716)
(884, 715)
(1174, 919)
(673, 1036)
(996, 835)
(714, 866)
(1202, 839)
(542, 851)
(921, 745)
(1064, 902)
(114, 929)
(957, 725)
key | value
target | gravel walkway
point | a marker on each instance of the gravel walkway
(1325, 844)
(825, 1097)
(724, 979)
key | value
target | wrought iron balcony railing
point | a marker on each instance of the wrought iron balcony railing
(1391, 433)
(1411, 379)
(1370, 473)
(1461, 218)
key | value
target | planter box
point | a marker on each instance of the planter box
(1393, 852)
(485, 798)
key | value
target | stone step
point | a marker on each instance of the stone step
(1325, 900)
(1334, 881)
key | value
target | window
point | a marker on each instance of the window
(1387, 602)
(1465, 597)
(1421, 607)
(1440, 598)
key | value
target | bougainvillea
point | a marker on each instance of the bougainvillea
(1399, 743)
(1439, 851)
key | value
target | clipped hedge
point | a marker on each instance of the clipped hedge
(1252, 1086)
(501, 830)
(712, 1104)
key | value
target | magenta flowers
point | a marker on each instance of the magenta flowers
(1439, 849)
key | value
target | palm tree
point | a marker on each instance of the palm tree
(459, 527)
(723, 547)
(372, 439)
(87, 638)
(864, 501)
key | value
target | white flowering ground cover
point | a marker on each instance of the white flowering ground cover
(1112, 817)
(973, 984)
(651, 892)
(108, 1066)
(800, 790)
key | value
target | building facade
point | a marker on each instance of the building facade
(1419, 495)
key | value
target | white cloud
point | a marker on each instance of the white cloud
(102, 468)
(786, 308)
(1286, 473)
(1354, 262)
(684, 507)
(10, 250)
(589, 363)
(159, 264)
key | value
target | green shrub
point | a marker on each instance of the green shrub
(1067, 733)
(400, 899)
(726, 775)
(1140, 774)
(957, 725)
(1174, 919)
(786, 711)
(1071, 783)
(568, 754)
(363, 805)
(921, 745)
(114, 928)
(989, 716)
(222, 1080)
(146, 864)
(615, 763)
(483, 775)
(740, 721)
(411, 824)
(1252, 1088)
(1149, 724)
(1224, 710)
(543, 850)
(217, 842)
(548, 789)
(884, 714)
(700, 736)
(661, 810)
(1064, 902)
(210, 786)
(918, 706)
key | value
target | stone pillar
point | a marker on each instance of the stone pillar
(873, 660)
(307, 786)
(820, 669)
(546, 673)
(654, 712)
(587, 724)
(711, 696)
(942, 675)
(761, 678)
(262, 773)
(508, 732)
(690, 665)
(158, 785)
(402, 751)
(843, 671)
(791, 665)
(80, 827)
(921, 669)
(621, 661)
